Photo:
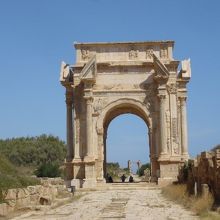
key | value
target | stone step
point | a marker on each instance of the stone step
(121, 186)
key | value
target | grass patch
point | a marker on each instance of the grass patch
(199, 205)
(210, 216)
(11, 177)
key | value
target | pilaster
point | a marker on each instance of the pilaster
(69, 122)
(163, 144)
(172, 88)
(89, 141)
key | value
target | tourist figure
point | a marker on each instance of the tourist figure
(131, 179)
(110, 180)
(107, 178)
(123, 177)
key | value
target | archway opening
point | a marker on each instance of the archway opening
(127, 144)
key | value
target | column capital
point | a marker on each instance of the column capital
(89, 99)
(182, 98)
(172, 88)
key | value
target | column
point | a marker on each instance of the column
(89, 145)
(184, 135)
(104, 152)
(69, 123)
(163, 146)
(76, 137)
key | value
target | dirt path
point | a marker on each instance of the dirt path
(134, 203)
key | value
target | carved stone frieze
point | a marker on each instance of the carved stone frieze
(149, 105)
(168, 143)
(163, 52)
(149, 53)
(150, 97)
(167, 114)
(99, 104)
(107, 87)
(172, 88)
(174, 129)
(85, 54)
(176, 150)
(133, 54)
(118, 86)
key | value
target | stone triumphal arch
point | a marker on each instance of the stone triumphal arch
(109, 79)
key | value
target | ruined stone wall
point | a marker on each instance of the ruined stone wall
(31, 196)
(205, 169)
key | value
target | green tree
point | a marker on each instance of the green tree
(48, 170)
(34, 151)
(140, 172)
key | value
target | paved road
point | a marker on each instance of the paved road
(135, 203)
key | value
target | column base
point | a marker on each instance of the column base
(169, 170)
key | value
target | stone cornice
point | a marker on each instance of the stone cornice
(148, 43)
(80, 65)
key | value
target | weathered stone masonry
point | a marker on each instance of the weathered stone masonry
(109, 79)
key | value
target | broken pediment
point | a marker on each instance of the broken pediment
(89, 70)
(161, 72)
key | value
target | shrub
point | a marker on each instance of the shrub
(178, 193)
(140, 172)
(14, 181)
(28, 181)
(33, 151)
(48, 170)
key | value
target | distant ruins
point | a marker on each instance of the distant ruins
(204, 174)
(130, 163)
(110, 79)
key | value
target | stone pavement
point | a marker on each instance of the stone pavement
(118, 201)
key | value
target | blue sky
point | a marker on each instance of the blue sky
(35, 36)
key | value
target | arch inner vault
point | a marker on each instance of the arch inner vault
(109, 79)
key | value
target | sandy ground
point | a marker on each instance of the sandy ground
(138, 204)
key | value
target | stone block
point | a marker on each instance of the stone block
(205, 190)
(23, 202)
(169, 170)
(22, 193)
(11, 194)
(3, 209)
(34, 199)
(32, 190)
